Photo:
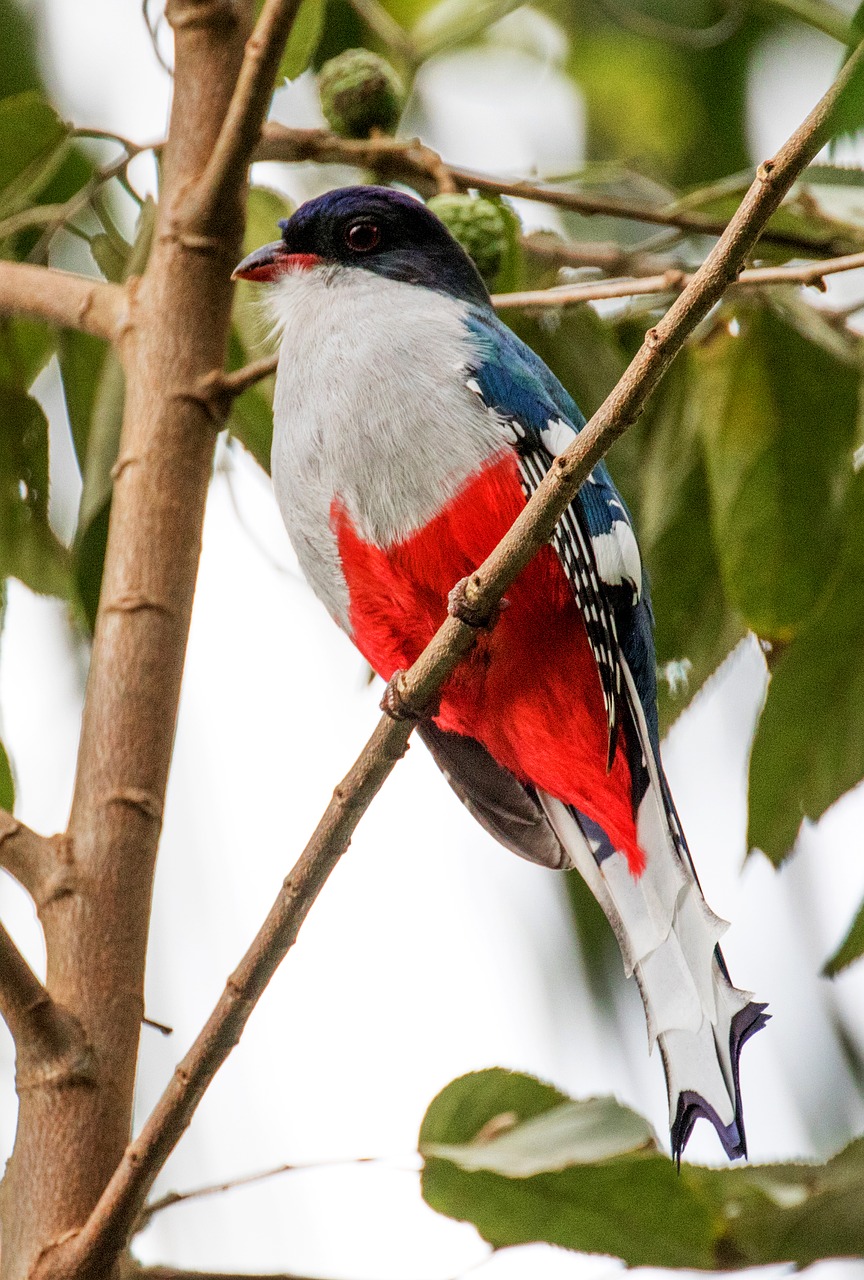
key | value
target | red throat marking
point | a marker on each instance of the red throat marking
(529, 691)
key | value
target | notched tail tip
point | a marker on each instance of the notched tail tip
(692, 1106)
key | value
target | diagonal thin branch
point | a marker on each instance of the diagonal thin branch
(242, 125)
(59, 297)
(50, 1045)
(103, 1237)
(414, 162)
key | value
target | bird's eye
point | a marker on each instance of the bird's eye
(362, 236)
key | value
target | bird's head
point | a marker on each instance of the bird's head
(370, 229)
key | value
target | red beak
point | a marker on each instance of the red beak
(272, 261)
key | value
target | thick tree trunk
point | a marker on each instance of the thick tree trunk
(72, 1131)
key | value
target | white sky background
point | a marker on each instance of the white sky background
(431, 951)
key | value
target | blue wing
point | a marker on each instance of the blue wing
(594, 540)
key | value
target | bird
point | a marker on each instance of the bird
(410, 428)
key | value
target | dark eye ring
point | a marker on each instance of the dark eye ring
(362, 237)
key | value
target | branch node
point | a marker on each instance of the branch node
(125, 460)
(398, 706)
(766, 172)
(145, 802)
(137, 602)
(201, 13)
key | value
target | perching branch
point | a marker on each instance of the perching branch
(59, 297)
(242, 124)
(50, 1045)
(104, 1235)
(413, 162)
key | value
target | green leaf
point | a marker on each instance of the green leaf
(580, 348)
(525, 1164)
(103, 440)
(33, 144)
(304, 38)
(94, 386)
(251, 420)
(25, 348)
(809, 745)
(777, 418)
(545, 1185)
(695, 628)
(7, 782)
(847, 116)
(28, 548)
(850, 949)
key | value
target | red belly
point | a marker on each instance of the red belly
(529, 690)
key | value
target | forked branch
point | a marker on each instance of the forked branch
(246, 112)
(50, 1046)
(104, 1235)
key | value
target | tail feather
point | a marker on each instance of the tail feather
(669, 942)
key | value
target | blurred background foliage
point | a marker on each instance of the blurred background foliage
(741, 473)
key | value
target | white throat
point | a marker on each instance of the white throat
(371, 407)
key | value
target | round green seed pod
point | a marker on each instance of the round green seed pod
(478, 225)
(360, 92)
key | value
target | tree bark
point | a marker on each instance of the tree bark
(72, 1132)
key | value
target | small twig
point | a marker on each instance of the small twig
(614, 259)
(250, 1179)
(415, 162)
(824, 17)
(386, 28)
(656, 28)
(50, 1045)
(569, 295)
(105, 1234)
(59, 297)
(75, 204)
(153, 33)
(812, 274)
(242, 125)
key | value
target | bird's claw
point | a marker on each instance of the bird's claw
(398, 707)
(459, 606)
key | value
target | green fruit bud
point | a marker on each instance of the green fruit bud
(478, 225)
(360, 92)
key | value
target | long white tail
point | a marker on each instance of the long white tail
(669, 940)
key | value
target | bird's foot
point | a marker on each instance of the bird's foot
(459, 606)
(398, 707)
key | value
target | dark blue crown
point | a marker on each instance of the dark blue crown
(401, 239)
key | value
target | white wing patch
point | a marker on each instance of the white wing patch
(617, 557)
(557, 435)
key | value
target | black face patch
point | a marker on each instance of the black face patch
(388, 233)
